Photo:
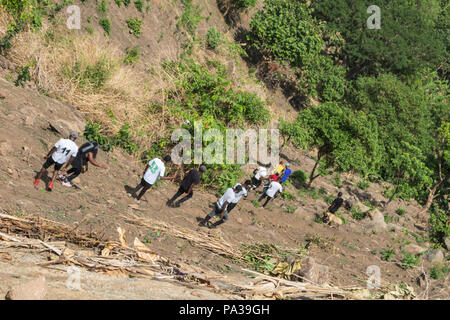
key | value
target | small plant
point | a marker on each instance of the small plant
(439, 270)
(132, 56)
(102, 7)
(92, 132)
(24, 75)
(256, 203)
(387, 254)
(290, 209)
(357, 214)
(337, 181)
(134, 24)
(118, 2)
(139, 4)
(299, 177)
(287, 196)
(126, 2)
(106, 25)
(213, 38)
(190, 17)
(125, 141)
(363, 185)
(400, 211)
(244, 4)
(329, 199)
(89, 30)
(409, 260)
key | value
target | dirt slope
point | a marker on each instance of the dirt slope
(28, 127)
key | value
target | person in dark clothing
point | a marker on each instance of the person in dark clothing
(186, 186)
(335, 205)
(86, 153)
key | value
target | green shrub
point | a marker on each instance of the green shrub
(89, 29)
(439, 271)
(92, 132)
(244, 4)
(134, 24)
(106, 25)
(409, 260)
(132, 55)
(91, 76)
(299, 177)
(356, 212)
(24, 75)
(139, 4)
(213, 38)
(118, 2)
(387, 254)
(102, 8)
(124, 140)
(400, 211)
(439, 226)
(256, 203)
(290, 209)
(287, 195)
(190, 17)
(363, 185)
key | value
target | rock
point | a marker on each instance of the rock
(447, 242)
(376, 215)
(4, 148)
(414, 249)
(314, 272)
(350, 202)
(377, 221)
(33, 290)
(435, 256)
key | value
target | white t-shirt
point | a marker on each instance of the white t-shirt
(155, 170)
(240, 194)
(261, 173)
(229, 196)
(273, 188)
(65, 148)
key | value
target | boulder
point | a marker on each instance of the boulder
(312, 271)
(447, 242)
(376, 221)
(435, 256)
(32, 290)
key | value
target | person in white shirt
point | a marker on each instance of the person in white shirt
(63, 152)
(271, 192)
(260, 174)
(156, 168)
(239, 195)
(221, 207)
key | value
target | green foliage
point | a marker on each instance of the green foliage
(356, 212)
(132, 55)
(213, 37)
(287, 196)
(93, 132)
(118, 2)
(89, 30)
(157, 149)
(410, 38)
(24, 12)
(299, 177)
(124, 140)
(336, 181)
(243, 4)
(126, 2)
(363, 184)
(439, 225)
(439, 271)
(286, 31)
(400, 211)
(409, 260)
(89, 76)
(134, 24)
(290, 209)
(105, 23)
(190, 17)
(139, 4)
(102, 8)
(387, 254)
(24, 74)
(256, 203)
(221, 176)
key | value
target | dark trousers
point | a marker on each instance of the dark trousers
(144, 186)
(179, 193)
(264, 195)
(75, 173)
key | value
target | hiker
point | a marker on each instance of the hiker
(156, 168)
(272, 192)
(259, 175)
(240, 194)
(279, 169)
(186, 186)
(273, 177)
(335, 205)
(86, 153)
(63, 152)
(221, 207)
(286, 174)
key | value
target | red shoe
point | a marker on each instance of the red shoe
(36, 182)
(50, 186)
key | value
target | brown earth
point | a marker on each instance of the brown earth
(31, 123)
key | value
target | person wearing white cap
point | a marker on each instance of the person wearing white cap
(63, 152)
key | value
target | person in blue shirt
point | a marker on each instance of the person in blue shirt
(286, 174)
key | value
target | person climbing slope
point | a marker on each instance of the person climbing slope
(287, 172)
(272, 192)
(240, 194)
(259, 175)
(186, 187)
(221, 207)
(63, 152)
(334, 207)
(155, 169)
(86, 153)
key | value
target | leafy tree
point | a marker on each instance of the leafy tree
(345, 140)
(412, 34)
